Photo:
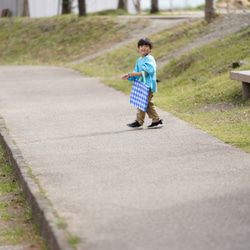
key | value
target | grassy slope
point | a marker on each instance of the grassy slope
(195, 87)
(200, 80)
(16, 224)
(59, 39)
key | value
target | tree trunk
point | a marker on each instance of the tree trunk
(82, 8)
(122, 4)
(25, 8)
(154, 6)
(209, 10)
(138, 6)
(66, 6)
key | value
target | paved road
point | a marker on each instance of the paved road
(172, 188)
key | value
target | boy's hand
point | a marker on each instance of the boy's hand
(125, 77)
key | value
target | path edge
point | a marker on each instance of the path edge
(42, 210)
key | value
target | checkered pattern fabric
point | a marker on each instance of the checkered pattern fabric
(139, 95)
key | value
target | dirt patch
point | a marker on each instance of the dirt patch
(224, 26)
(233, 4)
(219, 107)
(148, 27)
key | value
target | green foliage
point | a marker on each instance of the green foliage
(200, 7)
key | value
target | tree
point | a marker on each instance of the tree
(209, 10)
(137, 4)
(66, 6)
(82, 8)
(154, 6)
(122, 4)
(25, 8)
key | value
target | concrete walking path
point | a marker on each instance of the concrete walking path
(171, 188)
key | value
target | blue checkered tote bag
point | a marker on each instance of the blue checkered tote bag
(139, 94)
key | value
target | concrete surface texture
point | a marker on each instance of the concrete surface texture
(117, 188)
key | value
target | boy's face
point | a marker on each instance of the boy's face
(144, 50)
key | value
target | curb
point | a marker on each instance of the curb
(42, 210)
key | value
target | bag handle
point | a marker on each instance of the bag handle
(143, 78)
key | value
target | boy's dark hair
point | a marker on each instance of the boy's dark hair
(145, 41)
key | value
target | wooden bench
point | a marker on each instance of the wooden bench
(244, 77)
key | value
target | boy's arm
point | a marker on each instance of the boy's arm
(132, 74)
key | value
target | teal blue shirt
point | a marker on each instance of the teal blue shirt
(147, 64)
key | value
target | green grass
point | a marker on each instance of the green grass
(123, 59)
(16, 224)
(195, 87)
(200, 80)
(73, 241)
(59, 39)
(117, 12)
(61, 223)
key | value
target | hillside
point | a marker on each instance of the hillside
(194, 60)
(233, 4)
(61, 39)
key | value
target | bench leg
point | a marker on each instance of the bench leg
(245, 90)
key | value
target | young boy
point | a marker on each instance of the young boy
(147, 64)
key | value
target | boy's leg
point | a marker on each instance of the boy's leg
(140, 116)
(151, 110)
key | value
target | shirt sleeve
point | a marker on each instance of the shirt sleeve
(149, 66)
(136, 69)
